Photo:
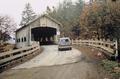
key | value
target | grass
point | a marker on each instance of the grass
(112, 67)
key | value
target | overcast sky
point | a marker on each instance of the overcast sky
(14, 8)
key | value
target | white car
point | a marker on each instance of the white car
(64, 44)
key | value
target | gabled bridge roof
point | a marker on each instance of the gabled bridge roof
(38, 17)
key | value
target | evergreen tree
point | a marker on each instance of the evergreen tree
(68, 14)
(27, 15)
(48, 10)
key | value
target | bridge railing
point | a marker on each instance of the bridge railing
(11, 56)
(110, 46)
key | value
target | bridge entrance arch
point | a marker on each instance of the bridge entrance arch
(44, 35)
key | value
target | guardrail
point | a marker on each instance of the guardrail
(110, 46)
(6, 58)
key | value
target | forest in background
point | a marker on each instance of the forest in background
(96, 19)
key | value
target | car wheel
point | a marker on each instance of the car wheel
(59, 49)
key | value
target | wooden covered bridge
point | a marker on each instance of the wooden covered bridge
(42, 30)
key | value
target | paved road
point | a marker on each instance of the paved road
(51, 56)
(80, 70)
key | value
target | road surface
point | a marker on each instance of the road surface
(51, 56)
(48, 65)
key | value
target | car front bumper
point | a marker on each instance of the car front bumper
(64, 47)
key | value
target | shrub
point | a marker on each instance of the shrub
(112, 67)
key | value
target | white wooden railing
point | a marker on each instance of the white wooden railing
(8, 57)
(110, 46)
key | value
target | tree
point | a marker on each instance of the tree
(27, 15)
(48, 10)
(100, 19)
(68, 14)
(7, 27)
(76, 31)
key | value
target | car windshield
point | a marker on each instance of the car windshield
(64, 41)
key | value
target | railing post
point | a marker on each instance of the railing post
(72, 41)
(77, 42)
(116, 49)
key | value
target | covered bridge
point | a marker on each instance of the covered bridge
(42, 30)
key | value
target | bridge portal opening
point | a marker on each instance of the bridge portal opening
(45, 35)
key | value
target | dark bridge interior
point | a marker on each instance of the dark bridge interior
(45, 35)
